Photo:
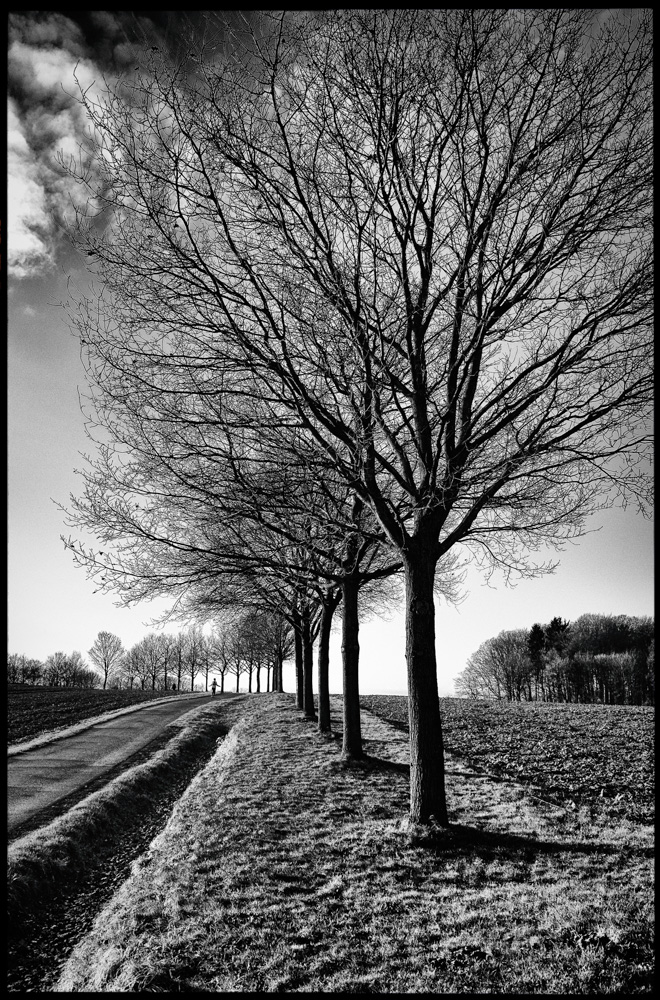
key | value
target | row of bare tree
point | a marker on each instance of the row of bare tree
(597, 658)
(251, 644)
(245, 647)
(374, 296)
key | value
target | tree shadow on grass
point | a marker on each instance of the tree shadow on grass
(366, 765)
(374, 763)
(460, 838)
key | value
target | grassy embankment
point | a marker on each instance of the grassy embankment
(281, 869)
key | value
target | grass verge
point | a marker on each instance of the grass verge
(282, 869)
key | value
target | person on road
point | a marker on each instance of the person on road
(214, 685)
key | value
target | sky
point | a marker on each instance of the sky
(51, 604)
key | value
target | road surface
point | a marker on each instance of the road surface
(38, 778)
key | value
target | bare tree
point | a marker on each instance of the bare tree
(128, 666)
(502, 668)
(250, 641)
(140, 663)
(206, 658)
(154, 651)
(535, 647)
(14, 664)
(424, 237)
(263, 636)
(219, 652)
(167, 646)
(178, 657)
(77, 673)
(55, 669)
(106, 653)
(23, 670)
(66, 670)
(194, 652)
(234, 651)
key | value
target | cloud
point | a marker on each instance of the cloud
(42, 119)
(29, 243)
(47, 53)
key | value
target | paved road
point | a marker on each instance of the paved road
(38, 778)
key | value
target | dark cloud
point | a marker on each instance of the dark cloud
(46, 29)
(47, 51)
(109, 39)
(116, 38)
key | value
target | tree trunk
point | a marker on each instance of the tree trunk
(277, 676)
(427, 768)
(350, 649)
(308, 668)
(298, 650)
(330, 602)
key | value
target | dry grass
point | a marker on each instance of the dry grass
(282, 869)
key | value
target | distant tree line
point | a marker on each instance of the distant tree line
(608, 659)
(58, 670)
(252, 646)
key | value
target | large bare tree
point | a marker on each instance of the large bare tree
(106, 653)
(421, 236)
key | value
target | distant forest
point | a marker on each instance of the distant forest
(608, 659)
